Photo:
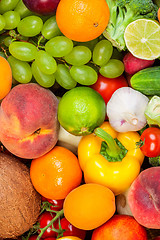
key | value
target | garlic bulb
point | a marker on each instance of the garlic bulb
(125, 110)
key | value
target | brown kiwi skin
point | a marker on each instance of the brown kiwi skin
(19, 201)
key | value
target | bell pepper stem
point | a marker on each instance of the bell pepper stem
(112, 149)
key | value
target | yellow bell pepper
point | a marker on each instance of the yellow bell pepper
(110, 158)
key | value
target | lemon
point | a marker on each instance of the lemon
(142, 38)
(81, 110)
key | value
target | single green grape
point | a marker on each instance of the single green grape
(79, 55)
(30, 26)
(22, 9)
(45, 80)
(23, 51)
(102, 52)
(2, 22)
(114, 68)
(7, 5)
(50, 28)
(84, 74)
(7, 41)
(21, 70)
(46, 62)
(59, 46)
(63, 77)
(12, 19)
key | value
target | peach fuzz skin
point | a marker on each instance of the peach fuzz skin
(144, 198)
(28, 121)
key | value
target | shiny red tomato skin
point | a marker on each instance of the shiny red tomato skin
(57, 204)
(44, 220)
(33, 237)
(72, 230)
(151, 139)
(50, 238)
(107, 86)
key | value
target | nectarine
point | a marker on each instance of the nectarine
(120, 227)
(28, 121)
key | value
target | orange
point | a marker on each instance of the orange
(158, 14)
(89, 205)
(56, 173)
(5, 77)
(82, 20)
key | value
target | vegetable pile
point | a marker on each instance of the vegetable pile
(80, 119)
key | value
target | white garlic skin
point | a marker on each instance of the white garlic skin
(125, 110)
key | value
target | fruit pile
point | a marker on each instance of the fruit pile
(79, 121)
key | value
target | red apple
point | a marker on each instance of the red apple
(43, 7)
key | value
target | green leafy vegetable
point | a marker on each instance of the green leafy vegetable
(123, 12)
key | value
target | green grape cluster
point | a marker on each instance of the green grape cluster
(37, 50)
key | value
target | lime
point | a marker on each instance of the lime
(81, 110)
(142, 38)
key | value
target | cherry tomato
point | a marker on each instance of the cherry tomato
(44, 220)
(107, 86)
(151, 142)
(33, 237)
(72, 230)
(50, 238)
(57, 204)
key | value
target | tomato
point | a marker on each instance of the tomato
(44, 220)
(71, 230)
(151, 142)
(33, 237)
(50, 238)
(57, 204)
(107, 86)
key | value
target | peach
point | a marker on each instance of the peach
(120, 227)
(144, 198)
(28, 121)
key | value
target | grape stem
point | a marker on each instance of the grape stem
(39, 41)
(5, 52)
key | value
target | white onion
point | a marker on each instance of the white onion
(125, 110)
